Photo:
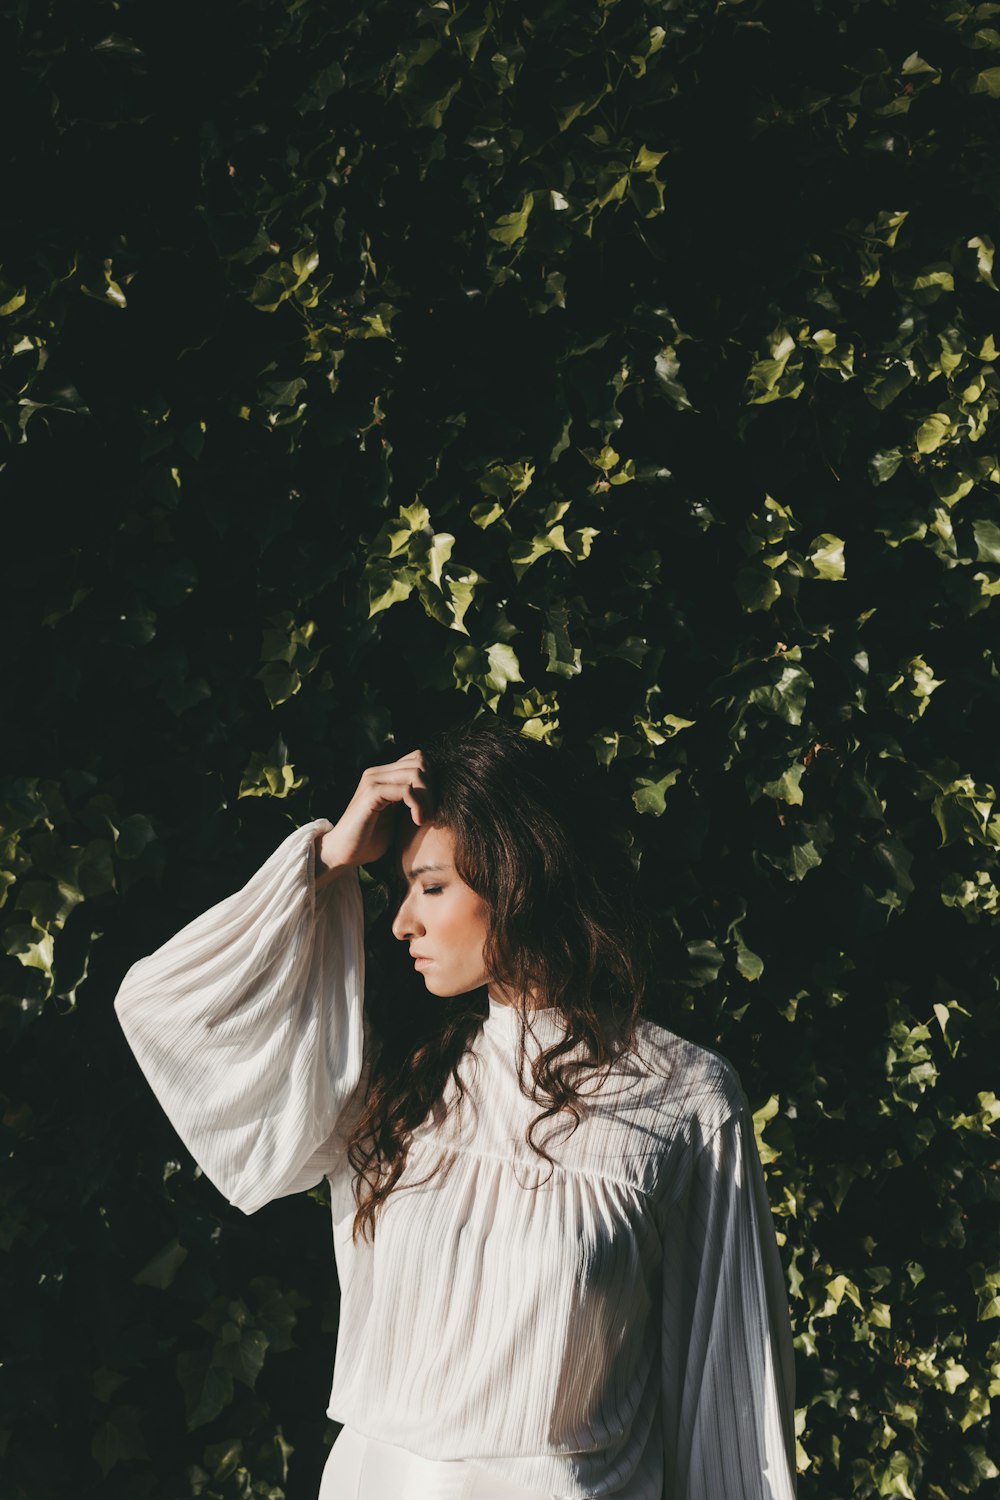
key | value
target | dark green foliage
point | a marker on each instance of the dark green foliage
(629, 370)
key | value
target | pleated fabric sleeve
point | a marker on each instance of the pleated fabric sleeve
(729, 1376)
(249, 1025)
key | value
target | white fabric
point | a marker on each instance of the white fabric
(363, 1468)
(614, 1326)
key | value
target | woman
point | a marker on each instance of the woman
(558, 1271)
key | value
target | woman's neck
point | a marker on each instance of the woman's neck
(505, 996)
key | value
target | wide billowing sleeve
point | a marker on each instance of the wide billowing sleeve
(249, 1025)
(728, 1361)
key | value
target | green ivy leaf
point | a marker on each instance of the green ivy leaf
(885, 384)
(985, 251)
(161, 1270)
(11, 300)
(826, 554)
(649, 795)
(511, 227)
(119, 1439)
(986, 82)
(761, 1118)
(270, 774)
(756, 587)
(241, 1350)
(987, 535)
(207, 1387)
(935, 430)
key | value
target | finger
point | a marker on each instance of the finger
(400, 776)
(414, 758)
(420, 798)
(405, 786)
(397, 793)
(415, 812)
(424, 795)
(420, 801)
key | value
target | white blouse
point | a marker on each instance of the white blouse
(615, 1326)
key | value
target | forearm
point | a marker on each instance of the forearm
(329, 862)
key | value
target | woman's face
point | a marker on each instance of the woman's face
(441, 918)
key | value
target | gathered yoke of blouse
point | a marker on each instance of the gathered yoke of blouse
(610, 1323)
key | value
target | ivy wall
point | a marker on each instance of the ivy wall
(626, 369)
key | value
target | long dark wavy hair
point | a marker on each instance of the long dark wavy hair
(538, 840)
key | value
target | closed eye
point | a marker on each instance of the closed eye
(432, 890)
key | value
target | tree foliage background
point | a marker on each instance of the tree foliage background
(628, 370)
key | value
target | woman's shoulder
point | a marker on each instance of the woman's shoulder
(691, 1088)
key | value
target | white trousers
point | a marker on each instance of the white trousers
(362, 1468)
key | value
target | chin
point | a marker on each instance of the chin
(445, 991)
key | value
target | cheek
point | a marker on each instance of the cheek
(466, 922)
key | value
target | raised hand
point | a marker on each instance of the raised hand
(365, 829)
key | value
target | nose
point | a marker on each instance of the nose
(404, 923)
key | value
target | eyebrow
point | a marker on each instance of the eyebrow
(419, 870)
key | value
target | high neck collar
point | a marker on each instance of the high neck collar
(544, 1020)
